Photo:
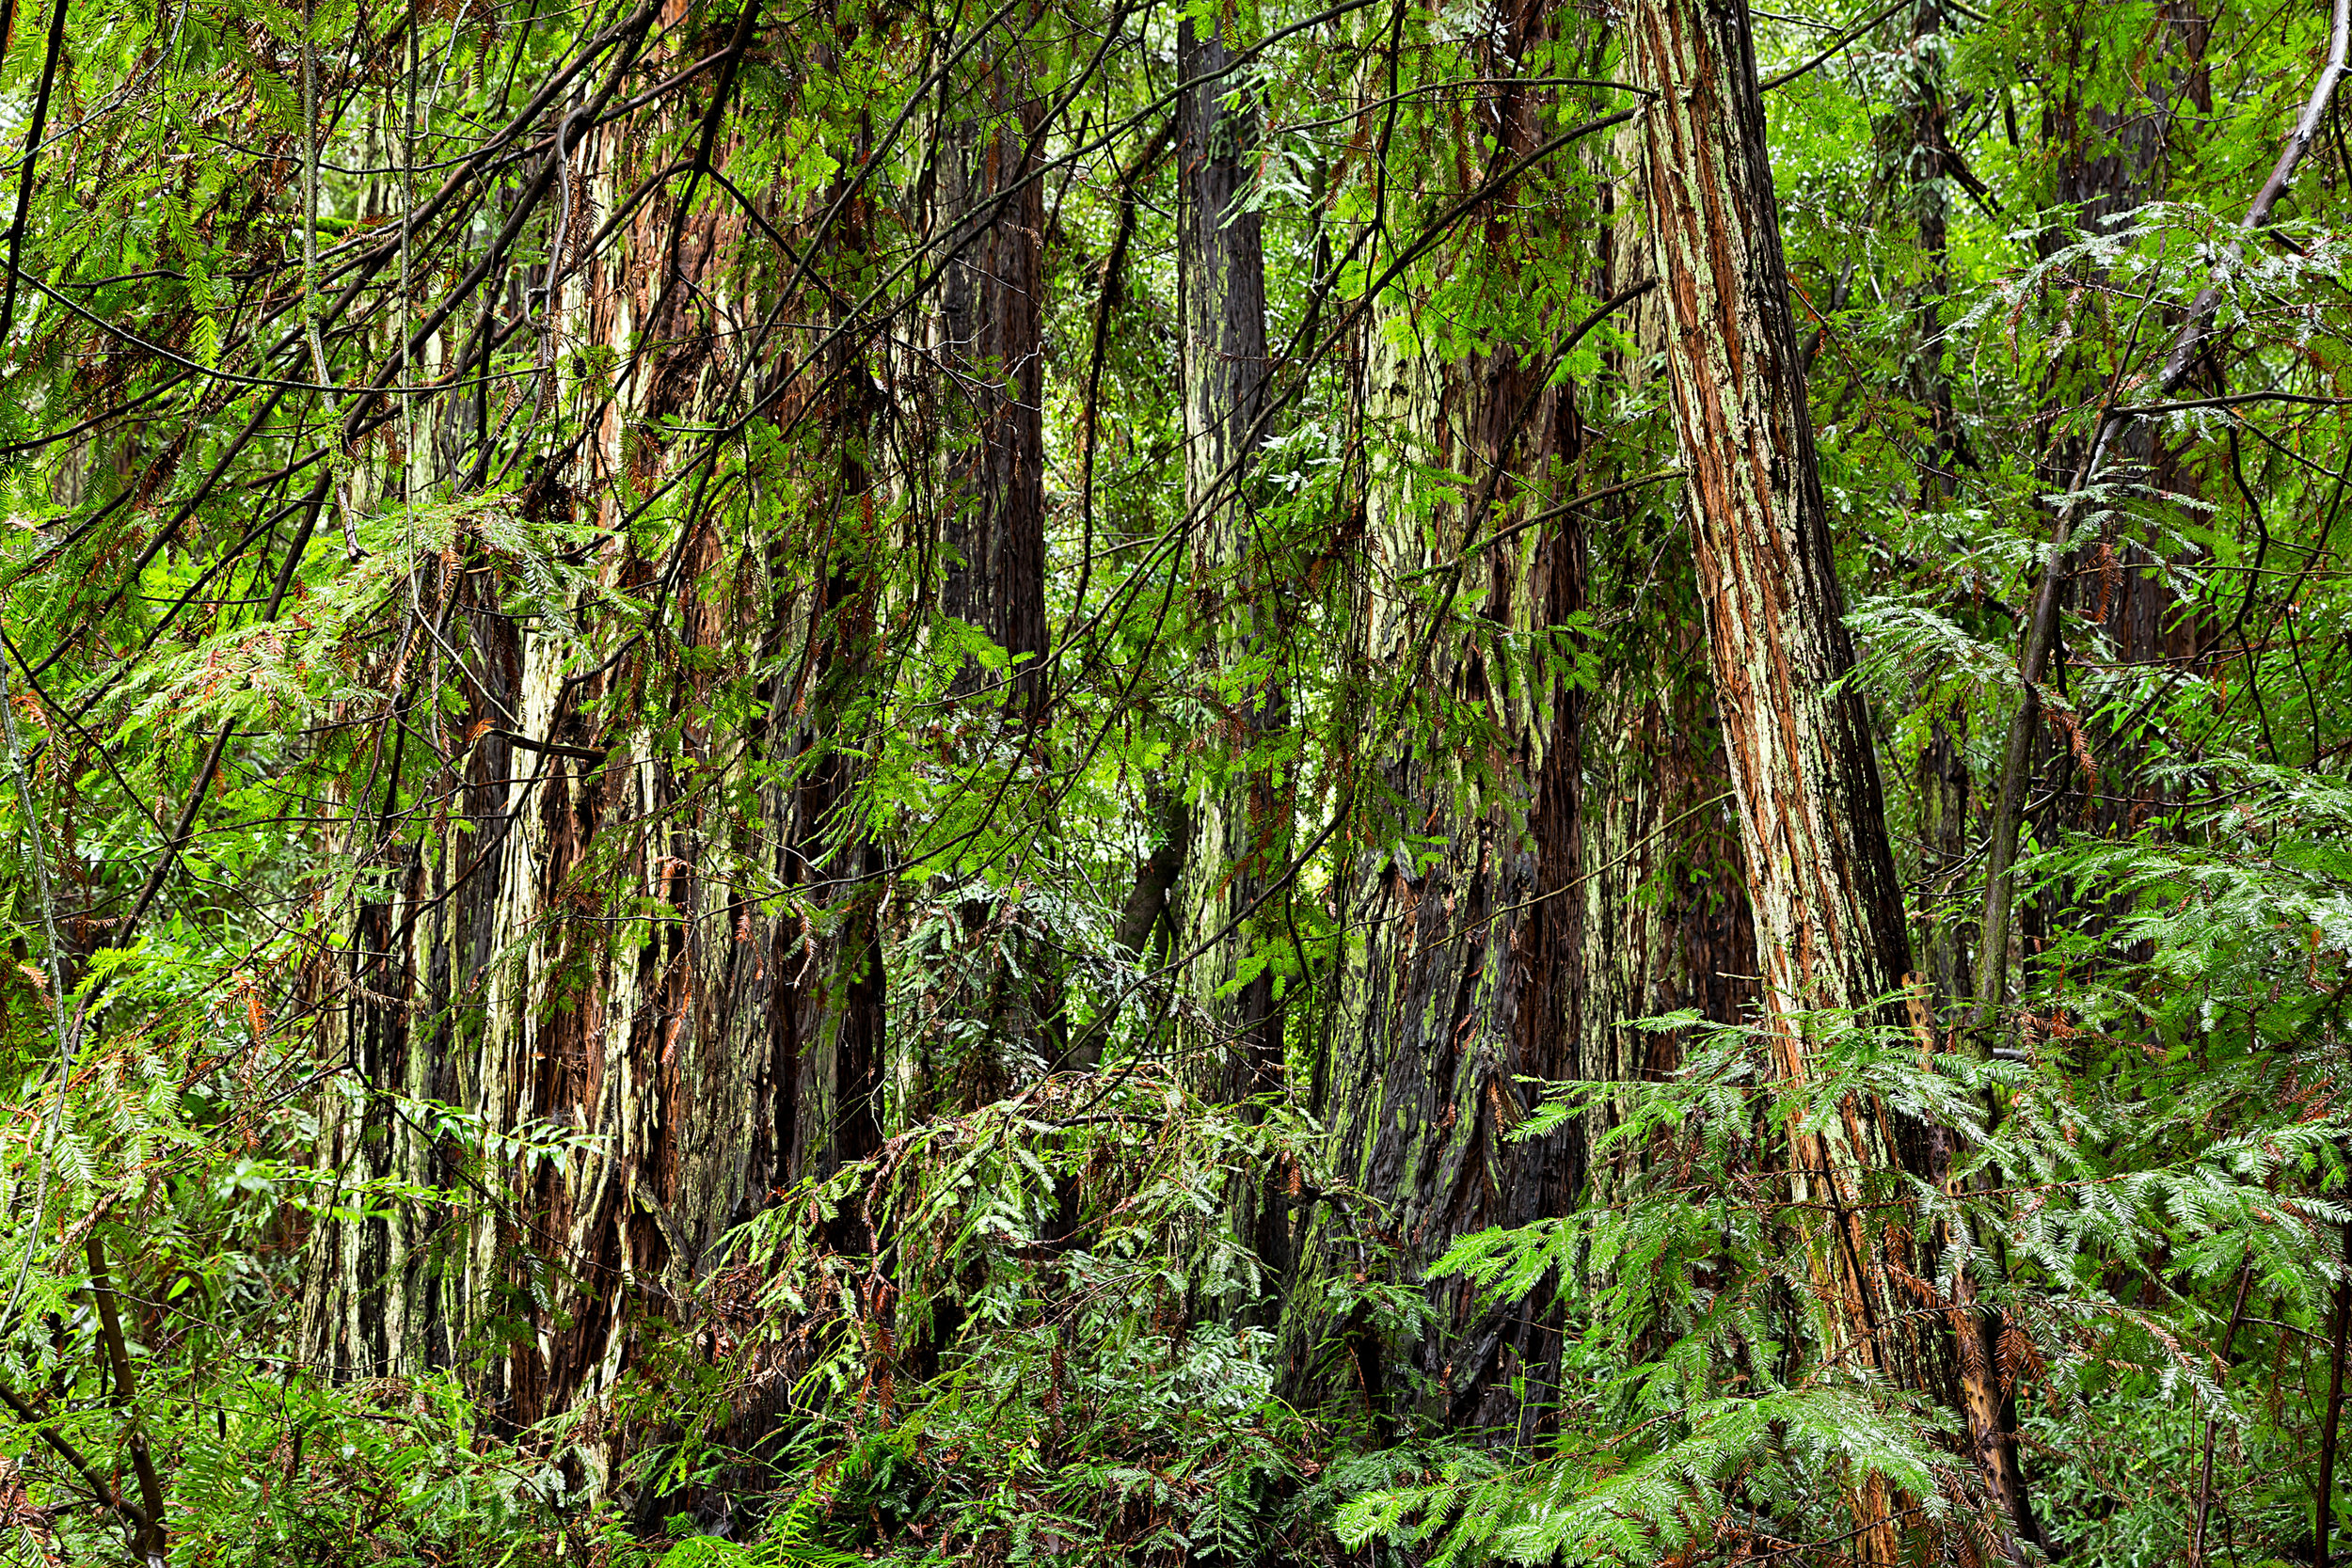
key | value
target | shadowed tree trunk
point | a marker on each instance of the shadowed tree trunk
(2109, 162)
(1146, 930)
(983, 390)
(1919, 170)
(1922, 172)
(1458, 970)
(1238, 841)
(1828, 908)
(988, 392)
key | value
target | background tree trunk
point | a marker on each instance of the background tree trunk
(989, 389)
(1237, 841)
(983, 393)
(1459, 967)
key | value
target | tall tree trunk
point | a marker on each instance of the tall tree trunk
(576, 959)
(984, 394)
(1148, 919)
(2110, 120)
(1923, 170)
(1827, 908)
(2108, 162)
(1457, 970)
(1665, 920)
(2114, 441)
(991, 390)
(832, 1012)
(1237, 841)
(1229, 896)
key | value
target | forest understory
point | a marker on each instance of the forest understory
(1175, 781)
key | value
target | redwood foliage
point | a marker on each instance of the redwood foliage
(1069, 782)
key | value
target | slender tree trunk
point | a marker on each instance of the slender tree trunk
(2324, 1503)
(1237, 838)
(988, 220)
(151, 1536)
(984, 397)
(1828, 908)
(2198, 1520)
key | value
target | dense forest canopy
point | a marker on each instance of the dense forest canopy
(1166, 781)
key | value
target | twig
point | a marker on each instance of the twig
(2323, 1523)
(2213, 1422)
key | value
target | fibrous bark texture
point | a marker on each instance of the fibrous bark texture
(629, 974)
(1665, 920)
(982, 389)
(1461, 953)
(1236, 1045)
(1828, 920)
(989, 376)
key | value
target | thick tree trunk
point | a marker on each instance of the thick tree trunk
(2111, 156)
(1828, 908)
(1665, 922)
(577, 957)
(832, 1012)
(1458, 968)
(1457, 980)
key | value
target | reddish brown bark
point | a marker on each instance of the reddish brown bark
(989, 398)
(1828, 909)
(566, 953)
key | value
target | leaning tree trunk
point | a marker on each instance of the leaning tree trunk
(1828, 908)
(1665, 920)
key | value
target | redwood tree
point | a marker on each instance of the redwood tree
(1827, 908)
